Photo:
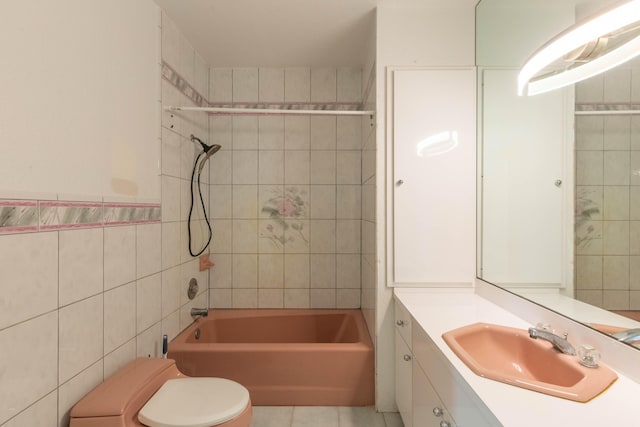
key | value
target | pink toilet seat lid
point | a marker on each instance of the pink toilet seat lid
(194, 402)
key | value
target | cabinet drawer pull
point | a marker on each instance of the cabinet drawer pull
(406, 358)
(444, 423)
(401, 323)
(437, 411)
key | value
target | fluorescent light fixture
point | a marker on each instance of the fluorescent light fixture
(437, 144)
(574, 38)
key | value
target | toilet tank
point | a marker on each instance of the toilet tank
(116, 402)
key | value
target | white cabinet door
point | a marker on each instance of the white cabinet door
(434, 175)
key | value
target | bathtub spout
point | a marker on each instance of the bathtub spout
(202, 312)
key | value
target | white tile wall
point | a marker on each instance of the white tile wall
(271, 85)
(40, 413)
(74, 389)
(80, 336)
(119, 256)
(286, 189)
(28, 259)
(119, 316)
(78, 304)
(29, 363)
(297, 84)
(80, 260)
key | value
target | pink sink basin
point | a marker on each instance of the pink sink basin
(510, 356)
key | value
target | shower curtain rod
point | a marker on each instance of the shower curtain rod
(271, 110)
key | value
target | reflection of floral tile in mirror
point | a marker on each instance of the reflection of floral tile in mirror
(588, 231)
(588, 238)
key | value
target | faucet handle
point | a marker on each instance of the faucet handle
(588, 356)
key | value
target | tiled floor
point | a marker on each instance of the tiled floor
(323, 416)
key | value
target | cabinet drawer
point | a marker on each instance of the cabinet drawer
(403, 322)
(404, 373)
(465, 407)
(428, 409)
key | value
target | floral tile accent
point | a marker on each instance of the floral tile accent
(18, 216)
(271, 235)
(296, 236)
(285, 211)
(61, 215)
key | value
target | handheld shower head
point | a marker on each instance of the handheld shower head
(201, 159)
(206, 148)
(208, 152)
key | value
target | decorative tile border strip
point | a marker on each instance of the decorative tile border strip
(62, 215)
(18, 216)
(180, 83)
(123, 214)
(25, 216)
(172, 76)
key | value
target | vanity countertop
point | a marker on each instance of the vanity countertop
(437, 311)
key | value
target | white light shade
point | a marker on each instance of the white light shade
(572, 39)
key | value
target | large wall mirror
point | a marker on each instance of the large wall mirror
(559, 184)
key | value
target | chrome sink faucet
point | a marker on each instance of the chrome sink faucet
(558, 342)
(202, 312)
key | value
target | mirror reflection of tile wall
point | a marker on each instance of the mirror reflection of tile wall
(607, 208)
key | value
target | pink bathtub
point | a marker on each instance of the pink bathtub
(284, 357)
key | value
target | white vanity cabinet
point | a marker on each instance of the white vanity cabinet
(458, 399)
(428, 391)
(432, 154)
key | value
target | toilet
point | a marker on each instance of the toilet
(154, 393)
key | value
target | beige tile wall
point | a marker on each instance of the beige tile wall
(608, 191)
(286, 192)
